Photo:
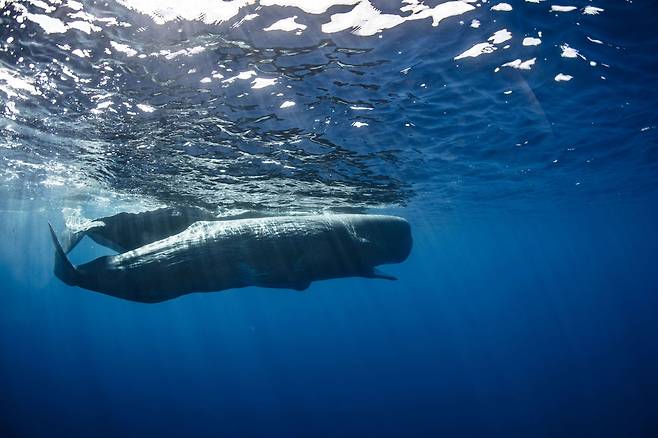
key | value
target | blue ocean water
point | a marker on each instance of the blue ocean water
(518, 139)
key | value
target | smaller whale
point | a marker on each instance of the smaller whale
(274, 252)
(126, 231)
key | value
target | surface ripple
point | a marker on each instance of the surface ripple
(343, 107)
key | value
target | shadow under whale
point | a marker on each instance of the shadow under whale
(275, 252)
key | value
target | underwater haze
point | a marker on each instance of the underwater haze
(518, 138)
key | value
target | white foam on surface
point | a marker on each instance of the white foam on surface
(12, 84)
(243, 75)
(83, 26)
(145, 108)
(592, 10)
(208, 12)
(520, 65)
(559, 8)
(287, 25)
(568, 52)
(123, 48)
(364, 19)
(502, 7)
(263, 82)
(500, 36)
(48, 24)
(309, 6)
(82, 53)
(367, 20)
(562, 77)
(476, 51)
(443, 11)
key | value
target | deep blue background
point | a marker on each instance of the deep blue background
(529, 305)
(537, 324)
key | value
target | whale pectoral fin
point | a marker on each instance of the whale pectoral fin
(376, 273)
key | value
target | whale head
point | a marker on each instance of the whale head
(382, 239)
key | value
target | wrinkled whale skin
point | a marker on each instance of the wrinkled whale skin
(277, 252)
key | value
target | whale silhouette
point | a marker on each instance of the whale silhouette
(275, 252)
(126, 231)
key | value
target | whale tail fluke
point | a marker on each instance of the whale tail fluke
(64, 270)
(76, 226)
(69, 239)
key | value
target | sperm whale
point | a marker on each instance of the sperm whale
(275, 252)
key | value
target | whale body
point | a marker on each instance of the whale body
(276, 252)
